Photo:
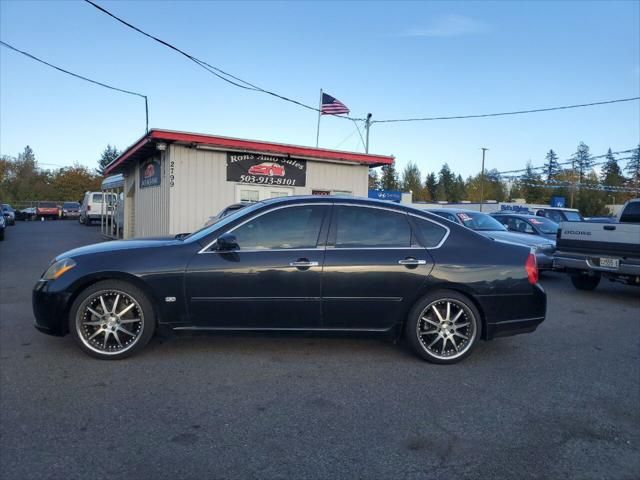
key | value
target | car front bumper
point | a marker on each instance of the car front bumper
(50, 309)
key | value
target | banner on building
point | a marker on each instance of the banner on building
(150, 174)
(389, 195)
(266, 170)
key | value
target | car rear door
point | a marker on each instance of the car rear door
(272, 281)
(373, 268)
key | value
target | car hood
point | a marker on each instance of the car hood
(120, 245)
(519, 238)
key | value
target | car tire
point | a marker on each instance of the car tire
(585, 282)
(447, 334)
(113, 334)
(2, 236)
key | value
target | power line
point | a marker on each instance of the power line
(570, 161)
(500, 114)
(218, 72)
(81, 77)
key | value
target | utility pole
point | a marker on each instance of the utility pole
(573, 181)
(482, 178)
(367, 125)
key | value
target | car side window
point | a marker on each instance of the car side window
(555, 216)
(290, 227)
(429, 234)
(363, 227)
(523, 227)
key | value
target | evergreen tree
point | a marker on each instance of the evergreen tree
(389, 179)
(374, 180)
(431, 185)
(582, 160)
(551, 167)
(412, 181)
(633, 168)
(611, 171)
(109, 154)
(446, 179)
(531, 185)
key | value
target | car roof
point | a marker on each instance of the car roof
(524, 216)
(451, 210)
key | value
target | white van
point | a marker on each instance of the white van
(92, 207)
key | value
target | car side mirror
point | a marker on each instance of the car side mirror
(227, 242)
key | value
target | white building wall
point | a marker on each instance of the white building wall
(200, 188)
(150, 209)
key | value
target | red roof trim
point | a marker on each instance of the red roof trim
(267, 147)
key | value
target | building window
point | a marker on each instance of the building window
(249, 195)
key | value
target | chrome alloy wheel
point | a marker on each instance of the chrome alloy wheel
(446, 329)
(109, 322)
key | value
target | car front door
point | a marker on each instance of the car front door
(273, 278)
(372, 268)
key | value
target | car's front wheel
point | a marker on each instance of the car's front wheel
(112, 319)
(443, 327)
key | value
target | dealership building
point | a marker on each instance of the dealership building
(174, 181)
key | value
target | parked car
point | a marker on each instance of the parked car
(298, 263)
(488, 226)
(3, 224)
(560, 214)
(529, 224)
(591, 251)
(226, 211)
(91, 208)
(9, 214)
(26, 214)
(47, 210)
(71, 210)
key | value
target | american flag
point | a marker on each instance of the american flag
(331, 106)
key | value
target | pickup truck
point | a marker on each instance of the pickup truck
(591, 251)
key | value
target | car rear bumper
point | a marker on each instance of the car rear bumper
(544, 261)
(50, 309)
(585, 263)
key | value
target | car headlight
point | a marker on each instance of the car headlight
(57, 269)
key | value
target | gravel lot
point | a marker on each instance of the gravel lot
(563, 402)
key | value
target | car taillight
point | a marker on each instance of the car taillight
(531, 266)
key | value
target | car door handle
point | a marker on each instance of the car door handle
(412, 261)
(609, 227)
(303, 263)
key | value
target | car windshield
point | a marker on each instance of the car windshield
(544, 225)
(7, 208)
(480, 222)
(204, 231)
(573, 216)
(70, 205)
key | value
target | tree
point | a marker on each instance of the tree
(551, 167)
(590, 199)
(611, 172)
(430, 186)
(633, 168)
(446, 179)
(412, 181)
(531, 185)
(109, 154)
(70, 183)
(389, 179)
(582, 160)
(374, 180)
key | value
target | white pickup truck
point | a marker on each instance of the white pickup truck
(590, 251)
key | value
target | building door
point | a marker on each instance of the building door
(257, 193)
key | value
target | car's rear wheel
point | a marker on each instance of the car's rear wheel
(585, 282)
(443, 327)
(112, 319)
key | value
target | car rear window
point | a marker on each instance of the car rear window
(631, 213)
(361, 227)
(97, 198)
(573, 216)
(47, 205)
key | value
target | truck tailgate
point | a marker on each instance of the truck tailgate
(620, 239)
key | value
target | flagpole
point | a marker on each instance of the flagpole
(319, 115)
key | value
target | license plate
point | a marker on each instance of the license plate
(609, 262)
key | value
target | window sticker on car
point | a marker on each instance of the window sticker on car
(464, 217)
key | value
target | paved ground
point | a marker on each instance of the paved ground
(562, 402)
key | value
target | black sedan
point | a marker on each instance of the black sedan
(297, 263)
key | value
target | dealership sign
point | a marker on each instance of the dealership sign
(389, 195)
(150, 174)
(266, 170)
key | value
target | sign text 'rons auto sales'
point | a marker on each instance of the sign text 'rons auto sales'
(266, 170)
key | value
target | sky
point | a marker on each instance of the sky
(395, 60)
